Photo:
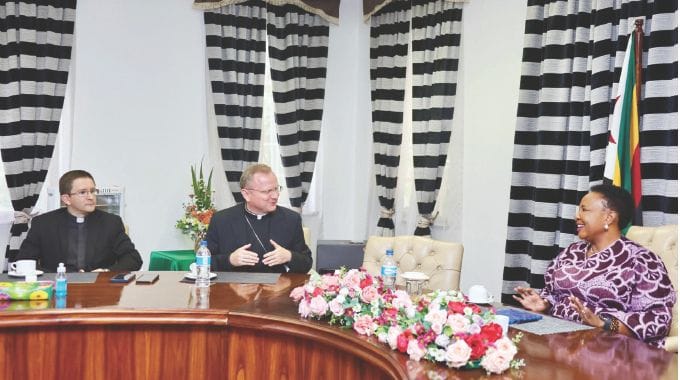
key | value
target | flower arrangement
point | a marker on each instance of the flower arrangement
(440, 326)
(200, 209)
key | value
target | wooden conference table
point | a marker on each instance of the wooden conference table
(241, 331)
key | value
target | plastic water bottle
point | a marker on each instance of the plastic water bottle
(61, 287)
(388, 271)
(202, 295)
(203, 265)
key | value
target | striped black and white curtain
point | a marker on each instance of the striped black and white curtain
(435, 29)
(35, 54)
(298, 51)
(389, 51)
(236, 41)
(236, 52)
(573, 52)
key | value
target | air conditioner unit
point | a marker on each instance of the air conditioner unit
(110, 199)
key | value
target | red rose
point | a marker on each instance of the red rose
(476, 343)
(317, 292)
(456, 307)
(491, 332)
(475, 309)
(390, 313)
(367, 281)
(402, 341)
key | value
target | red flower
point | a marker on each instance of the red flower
(427, 338)
(402, 340)
(317, 292)
(367, 281)
(475, 309)
(420, 329)
(388, 315)
(457, 307)
(491, 332)
(387, 296)
(476, 343)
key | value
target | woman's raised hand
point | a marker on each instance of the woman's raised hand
(531, 300)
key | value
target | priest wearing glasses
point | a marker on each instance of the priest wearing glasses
(258, 235)
(79, 235)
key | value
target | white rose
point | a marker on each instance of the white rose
(392, 335)
(442, 340)
(506, 346)
(458, 323)
(414, 350)
(495, 361)
(410, 311)
(458, 354)
(439, 355)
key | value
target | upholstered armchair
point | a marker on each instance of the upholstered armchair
(308, 236)
(440, 260)
(663, 241)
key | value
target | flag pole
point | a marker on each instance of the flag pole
(636, 170)
(639, 33)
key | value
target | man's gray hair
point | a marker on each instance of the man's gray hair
(250, 171)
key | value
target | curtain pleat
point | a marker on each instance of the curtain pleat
(35, 54)
(298, 51)
(572, 57)
(235, 48)
(389, 51)
(435, 29)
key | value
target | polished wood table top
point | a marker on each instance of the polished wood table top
(268, 309)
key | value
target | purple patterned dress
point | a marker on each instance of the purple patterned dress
(625, 281)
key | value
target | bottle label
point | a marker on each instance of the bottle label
(388, 271)
(60, 287)
(202, 260)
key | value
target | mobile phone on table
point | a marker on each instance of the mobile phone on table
(147, 278)
(123, 277)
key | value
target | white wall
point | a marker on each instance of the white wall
(493, 38)
(139, 108)
(140, 121)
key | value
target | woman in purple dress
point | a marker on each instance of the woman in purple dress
(606, 280)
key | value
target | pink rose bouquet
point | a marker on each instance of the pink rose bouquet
(440, 326)
(350, 298)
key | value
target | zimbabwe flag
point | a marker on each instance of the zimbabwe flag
(622, 163)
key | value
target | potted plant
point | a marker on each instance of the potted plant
(199, 209)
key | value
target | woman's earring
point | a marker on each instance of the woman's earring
(606, 226)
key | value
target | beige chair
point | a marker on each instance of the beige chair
(308, 236)
(440, 260)
(663, 241)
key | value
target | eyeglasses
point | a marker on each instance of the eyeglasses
(85, 193)
(269, 192)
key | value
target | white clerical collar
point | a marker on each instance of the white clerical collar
(258, 216)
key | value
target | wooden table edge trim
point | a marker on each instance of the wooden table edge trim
(115, 317)
(375, 354)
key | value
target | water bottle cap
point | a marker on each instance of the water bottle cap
(389, 252)
(204, 243)
(61, 268)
